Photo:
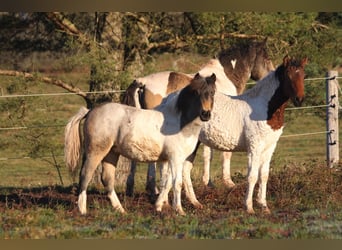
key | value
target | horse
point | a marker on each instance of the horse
(232, 67)
(114, 129)
(252, 123)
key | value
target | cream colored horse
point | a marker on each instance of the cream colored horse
(113, 129)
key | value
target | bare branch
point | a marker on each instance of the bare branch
(180, 43)
(64, 24)
(47, 80)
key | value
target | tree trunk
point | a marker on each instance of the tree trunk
(109, 57)
(110, 51)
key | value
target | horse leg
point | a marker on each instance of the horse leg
(263, 178)
(151, 188)
(207, 157)
(165, 186)
(87, 172)
(252, 177)
(189, 190)
(176, 167)
(130, 179)
(108, 178)
(227, 180)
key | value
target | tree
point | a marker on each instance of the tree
(118, 44)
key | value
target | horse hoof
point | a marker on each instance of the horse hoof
(210, 184)
(166, 205)
(159, 206)
(205, 181)
(266, 210)
(198, 205)
(83, 211)
(229, 184)
(129, 193)
(159, 209)
(251, 211)
(122, 211)
(180, 212)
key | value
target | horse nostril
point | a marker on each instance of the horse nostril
(298, 101)
(205, 115)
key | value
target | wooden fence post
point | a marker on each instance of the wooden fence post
(332, 119)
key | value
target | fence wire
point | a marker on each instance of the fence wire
(120, 91)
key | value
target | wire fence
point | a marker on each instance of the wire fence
(120, 91)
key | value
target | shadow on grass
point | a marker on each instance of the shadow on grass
(55, 197)
(295, 188)
(45, 196)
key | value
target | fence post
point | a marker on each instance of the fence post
(332, 142)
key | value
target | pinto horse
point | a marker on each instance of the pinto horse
(232, 67)
(251, 122)
(113, 129)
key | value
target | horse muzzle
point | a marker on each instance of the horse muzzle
(297, 101)
(205, 116)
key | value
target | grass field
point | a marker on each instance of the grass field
(38, 195)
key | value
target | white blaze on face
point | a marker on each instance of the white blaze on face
(233, 62)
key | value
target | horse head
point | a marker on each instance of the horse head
(197, 99)
(262, 64)
(293, 79)
(206, 94)
(245, 60)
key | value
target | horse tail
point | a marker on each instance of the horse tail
(131, 96)
(72, 139)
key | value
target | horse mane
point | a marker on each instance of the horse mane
(276, 98)
(127, 97)
(186, 101)
(279, 98)
(186, 94)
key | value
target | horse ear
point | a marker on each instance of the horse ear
(286, 60)
(197, 76)
(304, 61)
(212, 78)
